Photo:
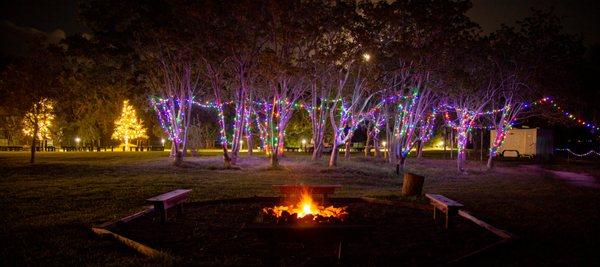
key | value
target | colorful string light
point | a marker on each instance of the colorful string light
(591, 152)
(569, 115)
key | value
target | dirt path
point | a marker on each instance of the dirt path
(579, 179)
(574, 178)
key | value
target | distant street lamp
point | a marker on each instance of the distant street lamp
(162, 141)
(384, 144)
(304, 145)
(77, 140)
(366, 56)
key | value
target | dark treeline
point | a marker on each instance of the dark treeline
(323, 68)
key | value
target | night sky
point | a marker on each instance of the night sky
(19, 18)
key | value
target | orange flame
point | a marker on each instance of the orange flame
(306, 206)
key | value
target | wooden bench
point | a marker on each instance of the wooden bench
(167, 200)
(518, 155)
(323, 190)
(11, 148)
(445, 205)
(292, 148)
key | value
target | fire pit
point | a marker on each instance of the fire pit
(302, 219)
(240, 232)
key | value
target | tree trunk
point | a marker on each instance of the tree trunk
(412, 184)
(178, 155)
(420, 150)
(274, 159)
(36, 129)
(249, 141)
(377, 150)
(281, 146)
(347, 149)
(460, 160)
(226, 159)
(126, 144)
(445, 139)
(490, 162)
(334, 155)
(451, 142)
(173, 149)
(400, 162)
(367, 146)
(386, 149)
(317, 151)
(33, 143)
(188, 113)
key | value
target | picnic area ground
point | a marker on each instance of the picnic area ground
(48, 208)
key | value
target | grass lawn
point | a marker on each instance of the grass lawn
(48, 208)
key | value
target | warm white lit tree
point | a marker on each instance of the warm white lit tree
(128, 126)
(39, 119)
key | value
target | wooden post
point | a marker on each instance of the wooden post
(412, 184)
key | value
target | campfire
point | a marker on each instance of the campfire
(305, 211)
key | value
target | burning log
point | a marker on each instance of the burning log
(306, 211)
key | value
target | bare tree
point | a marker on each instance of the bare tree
(376, 118)
(505, 116)
(214, 75)
(351, 106)
(318, 109)
(248, 125)
(413, 122)
(174, 81)
(468, 105)
(275, 111)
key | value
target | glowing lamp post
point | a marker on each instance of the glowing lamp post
(162, 141)
(384, 144)
(242, 144)
(304, 145)
(77, 140)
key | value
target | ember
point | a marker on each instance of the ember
(306, 210)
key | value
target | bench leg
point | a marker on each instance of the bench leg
(447, 219)
(161, 211)
(180, 209)
(434, 212)
(450, 214)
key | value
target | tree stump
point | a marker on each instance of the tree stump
(412, 185)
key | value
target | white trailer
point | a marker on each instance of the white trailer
(526, 142)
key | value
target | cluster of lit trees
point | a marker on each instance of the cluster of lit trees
(38, 124)
(349, 66)
(379, 67)
(383, 67)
